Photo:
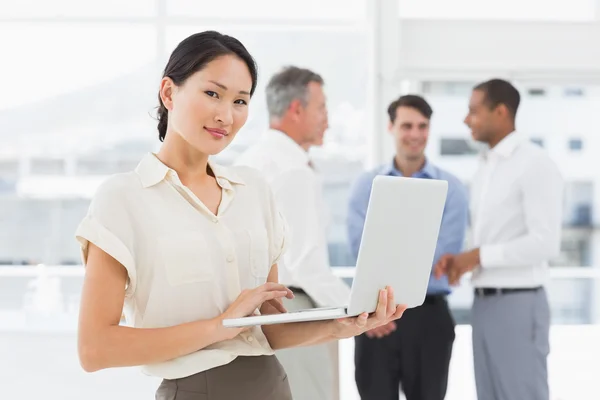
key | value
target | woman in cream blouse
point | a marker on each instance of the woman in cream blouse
(181, 243)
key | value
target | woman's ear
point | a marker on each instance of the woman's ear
(167, 87)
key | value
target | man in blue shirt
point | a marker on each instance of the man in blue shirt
(413, 352)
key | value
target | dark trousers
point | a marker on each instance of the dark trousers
(416, 356)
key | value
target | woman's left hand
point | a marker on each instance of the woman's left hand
(386, 311)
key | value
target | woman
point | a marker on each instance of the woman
(181, 243)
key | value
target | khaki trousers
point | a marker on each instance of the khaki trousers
(247, 378)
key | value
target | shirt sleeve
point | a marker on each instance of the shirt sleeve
(279, 231)
(357, 211)
(108, 226)
(542, 195)
(451, 238)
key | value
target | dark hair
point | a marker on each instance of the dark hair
(412, 101)
(499, 91)
(193, 54)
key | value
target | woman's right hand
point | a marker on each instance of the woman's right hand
(251, 300)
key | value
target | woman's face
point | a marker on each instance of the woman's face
(211, 106)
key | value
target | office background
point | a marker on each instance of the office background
(80, 82)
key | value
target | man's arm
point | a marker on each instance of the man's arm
(542, 188)
(454, 222)
(357, 211)
(306, 258)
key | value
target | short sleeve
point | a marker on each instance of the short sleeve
(279, 235)
(108, 226)
(279, 238)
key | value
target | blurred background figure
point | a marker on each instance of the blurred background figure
(413, 352)
(298, 120)
(516, 214)
(87, 113)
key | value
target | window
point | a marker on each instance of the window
(573, 92)
(544, 10)
(9, 172)
(448, 88)
(575, 144)
(104, 62)
(536, 92)
(9, 168)
(95, 166)
(98, 108)
(47, 166)
(457, 147)
(538, 141)
(101, 97)
(578, 203)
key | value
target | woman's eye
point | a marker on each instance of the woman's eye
(212, 94)
(240, 101)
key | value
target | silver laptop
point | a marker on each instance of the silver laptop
(397, 249)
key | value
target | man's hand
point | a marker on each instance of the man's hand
(443, 265)
(456, 266)
(382, 331)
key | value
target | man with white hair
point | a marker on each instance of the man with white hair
(297, 121)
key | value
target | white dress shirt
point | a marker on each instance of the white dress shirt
(297, 190)
(516, 213)
(183, 262)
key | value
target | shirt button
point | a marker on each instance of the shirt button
(250, 339)
(215, 220)
(230, 258)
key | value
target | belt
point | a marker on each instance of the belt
(499, 291)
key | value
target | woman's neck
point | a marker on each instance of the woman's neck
(190, 164)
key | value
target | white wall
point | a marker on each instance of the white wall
(519, 49)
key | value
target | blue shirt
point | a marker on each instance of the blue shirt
(454, 218)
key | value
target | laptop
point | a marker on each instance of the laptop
(397, 248)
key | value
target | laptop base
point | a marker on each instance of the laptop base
(312, 314)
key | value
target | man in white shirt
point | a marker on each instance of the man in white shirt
(516, 219)
(297, 121)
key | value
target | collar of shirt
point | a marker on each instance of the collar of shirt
(428, 171)
(286, 146)
(152, 171)
(507, 146)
